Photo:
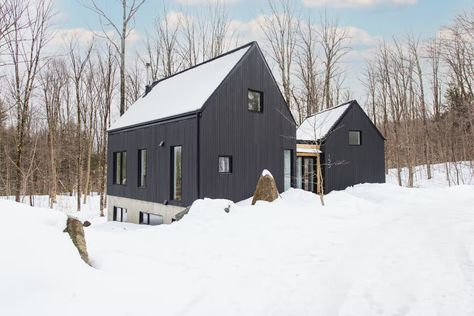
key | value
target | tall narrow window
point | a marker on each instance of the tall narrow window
(177, 173)
(308, 173)
(287, 168)
(225, 164)
(299, 172)
(354, 138)
(120, 167)
(255, 101)
(142, 167)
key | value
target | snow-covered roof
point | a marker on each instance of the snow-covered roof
(319, 125)
(184, 92)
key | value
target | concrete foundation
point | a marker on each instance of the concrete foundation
(134, 207)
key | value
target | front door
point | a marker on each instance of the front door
(306, 173)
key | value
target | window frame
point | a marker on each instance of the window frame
(142, 178)
(143, 215)
(173, 188)
(219, 164)
(122, 211)
(349, 137)
(290, 151)
(261, 100)
(119, 168)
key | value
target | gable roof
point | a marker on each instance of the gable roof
(319, 125)
(183, 92)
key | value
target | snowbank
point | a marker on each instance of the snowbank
(373, 249)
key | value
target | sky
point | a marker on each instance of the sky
(380, 18)
(369, 21)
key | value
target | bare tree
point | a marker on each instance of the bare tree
(107, 69)
(25, 45)
(414, 50)
(334, 44)
(167, 42)
(281, 30)
(78, 63)
(122, 30)
(53, 80)
(308, 72)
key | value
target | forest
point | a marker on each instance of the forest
(57, 103)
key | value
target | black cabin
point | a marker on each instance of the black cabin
(348, 144)
(207, 131)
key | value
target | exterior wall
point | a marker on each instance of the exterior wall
(158, 184)
(254, 140)
(134, 207)
(346, 165)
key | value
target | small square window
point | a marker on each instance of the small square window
(354, 138)
(255, 101)
(225, 164)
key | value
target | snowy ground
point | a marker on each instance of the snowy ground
(457, 173)
(372, 250)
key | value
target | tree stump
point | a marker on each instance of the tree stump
(75, 230)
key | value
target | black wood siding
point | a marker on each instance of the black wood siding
(158, 184)
(224, 126)
(346, 165)
(254, 140)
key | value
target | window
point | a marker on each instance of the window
(120, 214)
(354, 138)
(142, 168)
(177, 173)
(299, 172)
(225, 164)
(287, 156)
(150, 219)
(255, 101)
(120, 167)
(309, 173)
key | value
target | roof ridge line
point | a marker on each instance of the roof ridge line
(154, 83)
(331, 108)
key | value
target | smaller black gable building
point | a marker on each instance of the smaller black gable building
(350, 147)
(207, 131)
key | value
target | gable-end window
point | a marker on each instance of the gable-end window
(354, 138)
(120, 167)
(150, 219)
(255, 101)
(120, 214)
(176, 173)
(225, 164)
(142, 168)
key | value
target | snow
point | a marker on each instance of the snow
(182, 93)
(266, 173)
(373, 249)
(461, 172)
(319, 125)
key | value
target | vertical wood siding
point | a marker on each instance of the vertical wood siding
(158, 183)
(347, 165)
(254, 140)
